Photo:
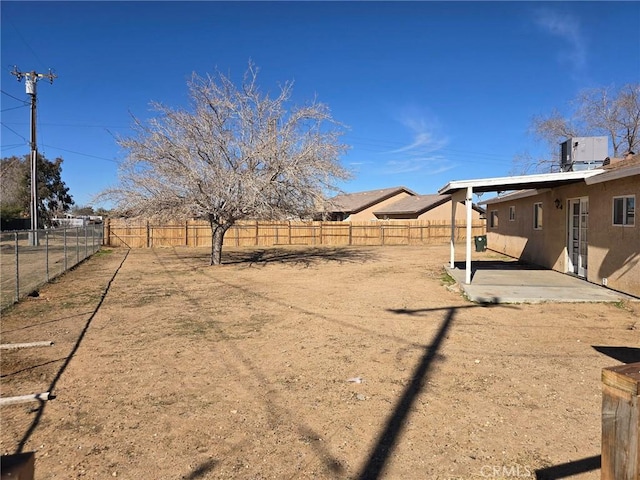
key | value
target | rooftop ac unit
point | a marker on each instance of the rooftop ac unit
(583, 153)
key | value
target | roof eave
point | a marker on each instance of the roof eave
(617, 174)
(519, 182)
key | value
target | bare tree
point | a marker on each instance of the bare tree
(596, 112)
(235, 154)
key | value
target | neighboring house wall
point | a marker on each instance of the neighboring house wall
(367, 213)
(441, 213)
(613, 251)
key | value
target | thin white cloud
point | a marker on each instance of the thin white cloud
(421, 154)
(426, 166)
(567, 27)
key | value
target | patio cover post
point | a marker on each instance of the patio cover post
(468, 204)
(455, 198)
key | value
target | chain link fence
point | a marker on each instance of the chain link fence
(29, 259)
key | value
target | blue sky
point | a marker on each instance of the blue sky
(431, 91)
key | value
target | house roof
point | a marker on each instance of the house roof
(616, 163)
(355, 202)
(416, 205)
(520, 182)
(621, 169)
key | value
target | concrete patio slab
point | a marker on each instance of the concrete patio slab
(514, 282)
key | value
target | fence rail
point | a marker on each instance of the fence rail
(194, 233)
(30, 258)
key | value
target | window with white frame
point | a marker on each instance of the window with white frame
(512, 213)
(624, 210)
(537, 216)
(493, 219)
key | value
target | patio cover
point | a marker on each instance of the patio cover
(462, 190)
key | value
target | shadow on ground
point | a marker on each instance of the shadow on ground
(388, 438)
(621, 354)
(297, 256)
(39, 411)
(480, 265)
(569, 469)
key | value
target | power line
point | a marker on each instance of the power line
(12, 130)
(381, 143)
(15, 98)
(83, 154)
(14, 108)
(23, 40)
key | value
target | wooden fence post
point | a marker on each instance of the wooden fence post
(107, 233)
(621, 422)
(148, 235)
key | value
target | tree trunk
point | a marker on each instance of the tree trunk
(217, 237)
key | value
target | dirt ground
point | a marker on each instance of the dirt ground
(336, 363)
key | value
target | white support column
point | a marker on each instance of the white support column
(468, 204)
(455, 198)
(452, 260)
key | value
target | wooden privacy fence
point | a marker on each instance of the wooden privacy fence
(196, 233)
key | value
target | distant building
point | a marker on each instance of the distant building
(395, 203)
(74, 221)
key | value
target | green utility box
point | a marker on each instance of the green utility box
(481, 243)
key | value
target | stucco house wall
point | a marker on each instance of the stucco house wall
(367, 213)
(443, 213)
(613, 251)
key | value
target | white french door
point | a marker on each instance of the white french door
(577, 244)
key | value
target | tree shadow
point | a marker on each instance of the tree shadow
(621, 354)
(569, 469)
(298, 256)
(331, 463)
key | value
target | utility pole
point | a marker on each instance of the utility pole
(30, 84)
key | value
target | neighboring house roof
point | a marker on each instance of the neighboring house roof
(416, 205)
(355, 202)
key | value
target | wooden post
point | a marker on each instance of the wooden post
(34, 397)
(15, 346)
(106, 241)
(148, 235)
(20, 466)
(621, 422)
(256, 233)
